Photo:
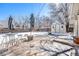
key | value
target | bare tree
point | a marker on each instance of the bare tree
(38, 23)
(16, 23)
(56, 11)
(25, 22)
(21, 22)
(46, 22)
(64, 7)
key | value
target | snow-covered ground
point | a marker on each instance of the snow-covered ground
(40, 46)
(63, 35)
(10, 36)
(42, 43)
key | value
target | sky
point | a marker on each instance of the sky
(22, 9)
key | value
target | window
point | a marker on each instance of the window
(61, 26)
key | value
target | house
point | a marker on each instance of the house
(73, 17)
(3, 23)
(58, 27)
(1, 26)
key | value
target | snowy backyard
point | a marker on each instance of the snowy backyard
(39, 29)
(41, 45)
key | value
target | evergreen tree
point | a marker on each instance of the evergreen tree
(32, 20)
(10, 25)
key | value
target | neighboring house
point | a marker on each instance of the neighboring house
(4, 23)
(1, 26)
(58, 27)
(73, 17)
(76, 26)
